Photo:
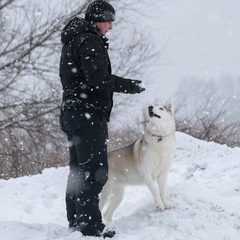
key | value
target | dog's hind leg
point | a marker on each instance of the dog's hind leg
(114, 200)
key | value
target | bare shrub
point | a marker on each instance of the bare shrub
(209, 110)
(123, 136)
(124, 133)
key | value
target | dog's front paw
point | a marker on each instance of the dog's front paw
(168, 205)
(160, 206)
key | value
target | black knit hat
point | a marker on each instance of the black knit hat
(100, 11)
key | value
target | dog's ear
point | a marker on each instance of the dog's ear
(169, 107)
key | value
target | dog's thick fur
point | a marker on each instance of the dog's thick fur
(146, 160)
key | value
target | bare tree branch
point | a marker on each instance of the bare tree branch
(31, 139)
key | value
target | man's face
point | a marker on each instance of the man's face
(104, 27)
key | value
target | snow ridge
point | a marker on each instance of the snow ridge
(203, 185)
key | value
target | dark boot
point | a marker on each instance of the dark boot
(106, 233)
(72, 226)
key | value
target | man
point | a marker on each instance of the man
(88, 86)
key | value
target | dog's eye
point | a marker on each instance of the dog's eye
(161, 108)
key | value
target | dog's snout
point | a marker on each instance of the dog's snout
(150, 111)
(150, 108)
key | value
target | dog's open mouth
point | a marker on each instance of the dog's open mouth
(151, 113)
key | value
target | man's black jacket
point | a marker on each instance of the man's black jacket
(85, 70)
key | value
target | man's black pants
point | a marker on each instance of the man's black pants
(87, 141)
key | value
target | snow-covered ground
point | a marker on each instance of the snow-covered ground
(204, 186)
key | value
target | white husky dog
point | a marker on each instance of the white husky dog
(146, 160)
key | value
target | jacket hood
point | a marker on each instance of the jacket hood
(76, 26)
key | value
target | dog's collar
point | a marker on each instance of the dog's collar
(160, 137)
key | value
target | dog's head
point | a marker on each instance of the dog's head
(161, 119)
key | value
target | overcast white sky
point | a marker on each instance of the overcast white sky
(199, 38)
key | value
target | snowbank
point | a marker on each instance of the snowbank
(204, 186)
